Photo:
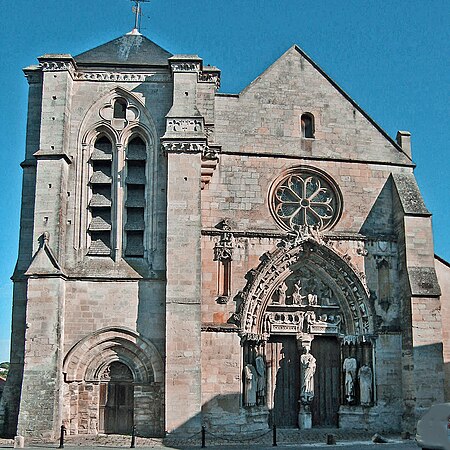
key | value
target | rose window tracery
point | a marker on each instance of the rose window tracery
(305, 197)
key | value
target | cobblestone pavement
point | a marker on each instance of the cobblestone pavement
(286, 439)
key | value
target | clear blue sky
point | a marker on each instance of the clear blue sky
(392, 58)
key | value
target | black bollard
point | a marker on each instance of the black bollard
(61, 436)
(274, 436)
(203, 437)
(133, 437)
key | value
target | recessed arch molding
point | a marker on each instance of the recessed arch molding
(88, 358)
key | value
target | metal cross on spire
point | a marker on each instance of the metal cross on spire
(138, 12)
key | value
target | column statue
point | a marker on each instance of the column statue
(365, 385)
(250, 385)
(350, 366)
(261, 380)
(308, 369)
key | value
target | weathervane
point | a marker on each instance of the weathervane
(138, 11)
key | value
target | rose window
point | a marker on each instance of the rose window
(305, 197)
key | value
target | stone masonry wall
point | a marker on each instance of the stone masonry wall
(265, 118)
(260, 135)
(41, 401)
(183, 346)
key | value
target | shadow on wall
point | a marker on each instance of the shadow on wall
(380, 220)
(221, 416)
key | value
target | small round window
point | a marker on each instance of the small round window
(304, 196)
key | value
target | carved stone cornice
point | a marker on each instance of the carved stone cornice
(210, 159)
(192, 63)
(33, 74)
(213, 328)
(185, 66)
(129, 77)
(185, 125)
(185, 63)
(210, 75)
(57, 63)
(183, 146)
(56, 66)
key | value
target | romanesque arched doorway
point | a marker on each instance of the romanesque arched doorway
(114, 380)
(306, 312)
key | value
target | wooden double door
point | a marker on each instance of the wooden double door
(117, 401)
(283, 363)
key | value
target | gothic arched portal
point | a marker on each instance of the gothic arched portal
(305, 309)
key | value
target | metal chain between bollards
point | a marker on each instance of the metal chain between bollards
(239, 439)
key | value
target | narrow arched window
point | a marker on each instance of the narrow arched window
(120, 109)
(136, 158)
(307, 121)
(101, 198)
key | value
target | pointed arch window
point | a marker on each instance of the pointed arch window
(117, 197)
(307, 123)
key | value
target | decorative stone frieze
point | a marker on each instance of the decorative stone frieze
(184, 125)
(192, 63)
(185, 66)
(56, 66)
(183, 147)
(122, 77)
(211, 153)
(210, 77)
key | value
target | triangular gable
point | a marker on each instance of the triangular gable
(44, 261)
(295, 80)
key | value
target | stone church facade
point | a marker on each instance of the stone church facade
(194, 258)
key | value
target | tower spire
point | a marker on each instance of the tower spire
(138, 14)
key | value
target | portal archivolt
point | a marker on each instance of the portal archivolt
(303, 286)
(306, 326)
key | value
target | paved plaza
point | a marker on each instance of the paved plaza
(286, 439)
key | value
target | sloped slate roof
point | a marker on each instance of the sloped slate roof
(127, 50)
(409, 194)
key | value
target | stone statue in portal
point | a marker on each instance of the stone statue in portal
(308, 369)
(350, 366)
(365, 385)
(297, 296)
(261, 380)
(281, 293)
(251, 379)
(312, 299)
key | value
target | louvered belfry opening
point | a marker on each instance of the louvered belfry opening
(136, 156)
(101, 199)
